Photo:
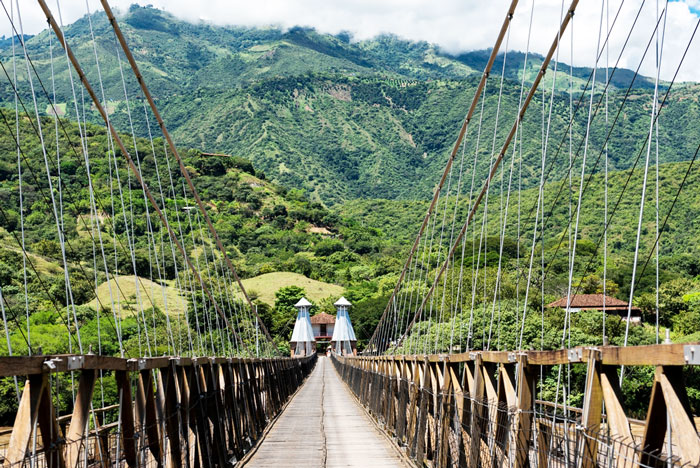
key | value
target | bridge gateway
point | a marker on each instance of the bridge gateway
(427, 388)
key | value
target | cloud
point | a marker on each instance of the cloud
(454, 25)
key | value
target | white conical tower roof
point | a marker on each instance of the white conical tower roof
(342, 302)
(302, 327)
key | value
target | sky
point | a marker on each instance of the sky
(453, 25)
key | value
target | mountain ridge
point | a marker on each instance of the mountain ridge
(340, 119)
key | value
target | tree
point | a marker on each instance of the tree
(285, 313)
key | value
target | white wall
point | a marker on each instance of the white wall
(317, 329)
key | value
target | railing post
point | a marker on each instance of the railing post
(172, 417)
(477, 417)
(422, 425)
(592, 410)
(524, 418)
(126, 410)
(669, 397)
(80, 418)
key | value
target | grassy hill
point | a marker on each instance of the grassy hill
(266, 285)
(124, 292)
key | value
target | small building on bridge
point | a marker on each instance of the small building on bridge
(600, 302)
(323, 325)
(302, 342)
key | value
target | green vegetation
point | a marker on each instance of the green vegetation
(265, 286)
(341, 119)
(329, 150)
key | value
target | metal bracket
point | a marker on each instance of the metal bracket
(75, 362)
(512, 357)
(472, 356)
(575, 355)
(691, 354)
(142, 364)
(175, 360)
(50, 365)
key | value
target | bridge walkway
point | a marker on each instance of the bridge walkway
(324, 426)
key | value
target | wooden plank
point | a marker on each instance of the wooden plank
(649, 355)
(617, 422)
(171, 417)
(448, 408)
(203, 443)
(592, 411)
(51, 436)
(26, 418)
(153, 428)
(414, 390)
(681, 417)
(422, 424)
(214, 412)
(506, 400)
(477, 416)
(543, 438)
(188, 422)
(655, 425)
(523, 418)
(80, 418)
(126, 410)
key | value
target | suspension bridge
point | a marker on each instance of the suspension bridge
(460, 370)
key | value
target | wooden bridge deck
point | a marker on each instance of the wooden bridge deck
(323, 426)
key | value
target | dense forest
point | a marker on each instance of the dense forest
(317, 155)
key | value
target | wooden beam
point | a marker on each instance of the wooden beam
(80, 418)
(25, 420)
(680, 415)
(617, 422)
(477, 416)
(126, 410)
(523, 418)
(592, 411)
(655, 425)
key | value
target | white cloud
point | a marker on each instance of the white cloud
(455, 25)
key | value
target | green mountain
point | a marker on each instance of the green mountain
(265, 228)
(337, 118)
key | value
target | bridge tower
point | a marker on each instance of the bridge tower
(343, 341)
(302, 342)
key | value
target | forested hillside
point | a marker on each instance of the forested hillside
(265, 228)
(316, 155)
(337, 118)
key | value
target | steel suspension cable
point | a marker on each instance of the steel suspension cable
(501, 154)
(117, 139)
(173, 148)
(455, 149)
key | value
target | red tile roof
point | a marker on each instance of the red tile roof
(592, 301)
(322, 318)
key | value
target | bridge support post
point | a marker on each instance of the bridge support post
(669, 405)
(126, 411)
(592, 411)
(80, 418)
(172, 418)
(147, 416)
(524, 418)
(477, 414)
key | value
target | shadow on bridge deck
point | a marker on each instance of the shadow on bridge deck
(323, 426)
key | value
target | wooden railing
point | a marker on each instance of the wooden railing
(482, 409)
(170, 411)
